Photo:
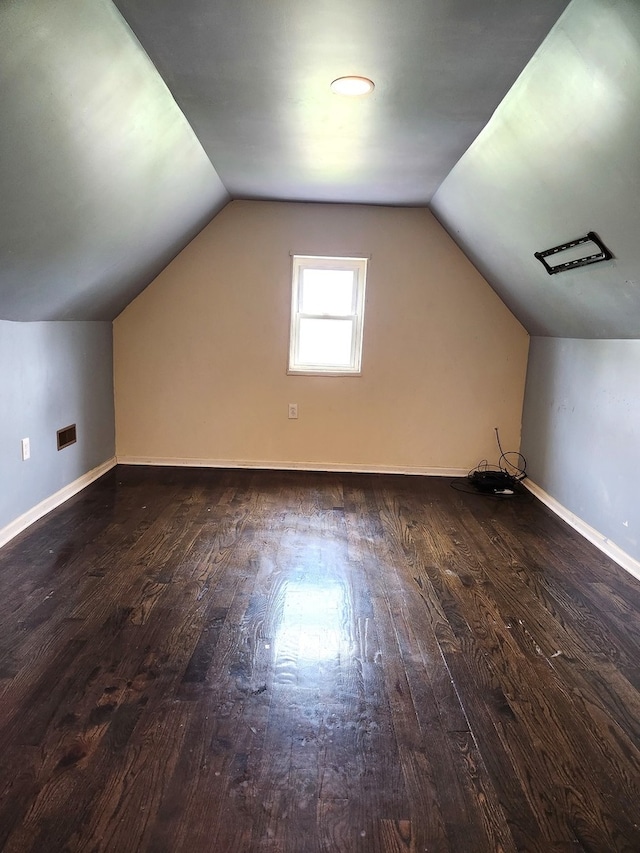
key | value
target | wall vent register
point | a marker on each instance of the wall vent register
(66, 436)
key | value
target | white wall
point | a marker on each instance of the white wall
(201, 355)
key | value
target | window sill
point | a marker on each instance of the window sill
(324, 372)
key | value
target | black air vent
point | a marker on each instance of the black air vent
(66, 436)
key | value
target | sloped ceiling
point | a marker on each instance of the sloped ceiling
(560, 158)
(103, 180)
(253, 80)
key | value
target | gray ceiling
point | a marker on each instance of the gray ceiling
(560, 158)
(253, 80)
(117, 145)
(102, 181)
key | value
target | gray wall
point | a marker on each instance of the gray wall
(581, 431)
(51, 375)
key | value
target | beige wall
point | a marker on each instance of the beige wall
(201, 354)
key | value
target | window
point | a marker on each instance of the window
(327, 313)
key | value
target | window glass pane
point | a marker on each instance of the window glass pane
(327, 291)
(326, 342)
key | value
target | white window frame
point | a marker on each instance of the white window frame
(359, 268)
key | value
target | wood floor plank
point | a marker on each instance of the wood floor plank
(250, 661)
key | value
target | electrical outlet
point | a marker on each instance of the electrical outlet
(293, 411)
(25, 445)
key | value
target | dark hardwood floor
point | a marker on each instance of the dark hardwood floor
(264, 661)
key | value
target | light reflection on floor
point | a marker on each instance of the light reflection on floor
(313, 621)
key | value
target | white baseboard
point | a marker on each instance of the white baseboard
(615, 552)
(23, 521)
(340, 468)
(626, 561)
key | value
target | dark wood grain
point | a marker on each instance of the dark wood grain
(238, 662)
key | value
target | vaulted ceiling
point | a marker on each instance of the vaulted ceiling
(125, 130)
(253, 80)
(560, 158)
(102, 179)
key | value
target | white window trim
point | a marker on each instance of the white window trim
(359, 267)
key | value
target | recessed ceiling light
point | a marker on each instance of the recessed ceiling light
(352, 86)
